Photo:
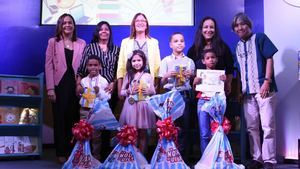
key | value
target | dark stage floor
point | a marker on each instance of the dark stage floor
(48, 161)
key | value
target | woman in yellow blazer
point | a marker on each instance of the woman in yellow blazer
(63, 56)
(139, 40)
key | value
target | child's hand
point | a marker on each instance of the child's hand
(197, 80)
(96, 88)
(223, 78)
(135, 89)
(171, 74)
(146, 91)
(188, 74)
(110, 88)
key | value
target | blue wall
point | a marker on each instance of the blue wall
(23, 42)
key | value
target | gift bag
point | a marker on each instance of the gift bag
(81, 157)
(167, 104)
(101, 116)
(218, 153)
(125, 154)
(166, 154)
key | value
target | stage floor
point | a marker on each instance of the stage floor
(48, 161)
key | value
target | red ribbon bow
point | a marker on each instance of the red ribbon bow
(225, 125)
(127, 135)
(82, 130)
(166, 129)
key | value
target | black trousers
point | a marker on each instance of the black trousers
(185, 124)
(66, 113)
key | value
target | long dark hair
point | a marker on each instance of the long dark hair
(59, 29)
(130, 70)
(216, 42)
(96, 37)
(132, 26)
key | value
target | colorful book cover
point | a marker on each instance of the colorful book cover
(9, 86)
(9, 146)
(16, 144)
(2, 145)
(28, 88)
(10, 115)
(180, 79)
(140, 96)
(88, 98)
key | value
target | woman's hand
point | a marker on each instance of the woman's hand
(51, 95)
(79, 90)
(96, 88)
(228, 80)
(223, 78)
(110, 88)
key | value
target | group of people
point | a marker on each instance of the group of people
(135, 71)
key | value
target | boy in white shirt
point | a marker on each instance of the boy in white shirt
(93, 89)
(176, 71)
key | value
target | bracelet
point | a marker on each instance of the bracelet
(268, 80)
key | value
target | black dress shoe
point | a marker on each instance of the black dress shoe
(253, 164)
(268, 165)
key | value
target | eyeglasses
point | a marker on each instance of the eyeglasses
(140, 20)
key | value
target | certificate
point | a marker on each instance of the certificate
(210, 80)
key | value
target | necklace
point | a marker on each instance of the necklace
(140, 46)
(68, 44)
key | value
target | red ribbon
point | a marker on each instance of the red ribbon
(225, 125)
(127, 135)
(166, 129)
(82, 130)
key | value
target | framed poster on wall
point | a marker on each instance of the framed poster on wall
(119, 12)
